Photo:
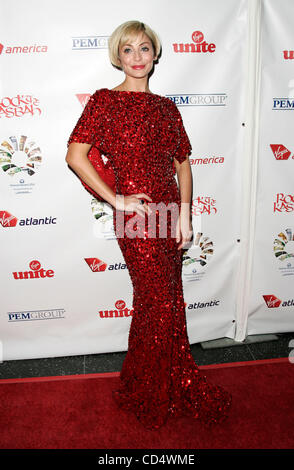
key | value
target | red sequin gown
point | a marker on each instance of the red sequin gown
(140, 133)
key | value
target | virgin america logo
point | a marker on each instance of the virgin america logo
(198, 45)
(280, 151)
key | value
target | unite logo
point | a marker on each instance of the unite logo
(198, 45)
(120, 311)
(36, 272)
(288, 55)
(280, 152)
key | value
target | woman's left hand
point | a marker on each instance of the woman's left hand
(184, 230)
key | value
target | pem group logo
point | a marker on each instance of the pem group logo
(9, 220)
(89, 42)
(199, 99)
(283, 104)
(33, 315)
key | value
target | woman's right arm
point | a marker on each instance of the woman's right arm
(77, 159)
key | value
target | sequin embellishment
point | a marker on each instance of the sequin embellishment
(141, 133)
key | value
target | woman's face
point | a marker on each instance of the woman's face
(136, 56)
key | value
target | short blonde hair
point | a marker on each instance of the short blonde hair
(124, 32)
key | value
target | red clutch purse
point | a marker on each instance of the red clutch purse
(104, 170)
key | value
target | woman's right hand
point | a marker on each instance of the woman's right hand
(131, 203)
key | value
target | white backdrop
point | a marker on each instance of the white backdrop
(65, 287)
(271, 301)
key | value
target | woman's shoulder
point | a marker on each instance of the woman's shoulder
(98, 93)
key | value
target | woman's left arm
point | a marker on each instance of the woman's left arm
(184, 224)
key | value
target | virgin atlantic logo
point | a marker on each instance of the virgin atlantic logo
(96, 264)
(280, 152)
(197, 46)
(273, 302)
(83, 98)
(7, 219)
(35, 272)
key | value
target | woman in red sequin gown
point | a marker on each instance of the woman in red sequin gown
(143, 137)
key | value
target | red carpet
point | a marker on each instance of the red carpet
(77, 412)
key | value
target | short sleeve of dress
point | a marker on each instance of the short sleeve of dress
(184, 146)
(85, 129)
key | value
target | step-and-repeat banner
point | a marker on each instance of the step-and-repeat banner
(65, 289)
(271, 302)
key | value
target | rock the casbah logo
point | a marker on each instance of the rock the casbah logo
(284, 203)
(204, 205)
(197, 46)
(19, 105)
